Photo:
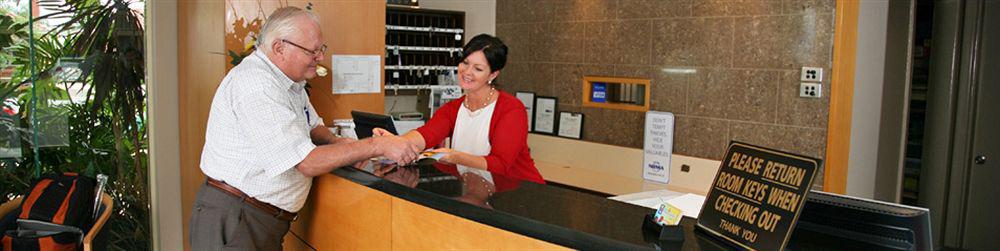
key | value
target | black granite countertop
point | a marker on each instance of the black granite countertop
(553, 214)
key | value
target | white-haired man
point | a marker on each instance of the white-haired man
(265, 142)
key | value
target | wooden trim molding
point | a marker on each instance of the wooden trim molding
(838, 137)
(163, 99)
(199, 70)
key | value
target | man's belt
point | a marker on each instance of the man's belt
(270, 209)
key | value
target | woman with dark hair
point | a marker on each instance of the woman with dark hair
(488, 127)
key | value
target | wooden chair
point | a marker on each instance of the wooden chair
(88, 239)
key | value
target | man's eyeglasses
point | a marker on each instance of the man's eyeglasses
(321, 50)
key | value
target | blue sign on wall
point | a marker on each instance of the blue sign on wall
(598, 92)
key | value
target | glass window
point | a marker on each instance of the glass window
(72, 86)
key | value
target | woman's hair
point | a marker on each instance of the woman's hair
(494, 50)
(280, 25)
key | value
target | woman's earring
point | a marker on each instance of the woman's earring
(491, 81)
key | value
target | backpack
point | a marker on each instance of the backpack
(54, 215)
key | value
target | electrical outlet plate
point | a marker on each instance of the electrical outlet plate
(812, 74)
(811, 90)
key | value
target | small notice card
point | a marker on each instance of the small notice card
(658, 146)
(757, 196)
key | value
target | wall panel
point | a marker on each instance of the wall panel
(206, 30)
(728, 70)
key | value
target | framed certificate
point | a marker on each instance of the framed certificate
(545, 115)
(528, 99)
(571, 125)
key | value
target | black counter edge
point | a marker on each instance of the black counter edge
(520, 225)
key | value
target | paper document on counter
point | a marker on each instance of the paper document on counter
(650, 199)
(689, 203)
(653, 203)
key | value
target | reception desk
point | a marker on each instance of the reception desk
(438, 207)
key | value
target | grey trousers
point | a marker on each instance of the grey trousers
(220, 221)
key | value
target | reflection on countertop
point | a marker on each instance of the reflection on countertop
(554, 214)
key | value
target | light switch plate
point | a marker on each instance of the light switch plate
(811, 90)
(812, 74)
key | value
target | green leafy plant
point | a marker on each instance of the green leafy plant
(10, 32)
(48, 50)
(108, 128)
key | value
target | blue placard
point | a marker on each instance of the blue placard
(598, 92)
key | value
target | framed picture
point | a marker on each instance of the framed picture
(545, 115)
(528, 99)
(571, 125)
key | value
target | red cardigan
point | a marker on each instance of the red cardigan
(509, 154)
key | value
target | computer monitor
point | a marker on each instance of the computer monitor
(364, 123)
(860, 224)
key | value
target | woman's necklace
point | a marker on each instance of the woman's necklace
(474, 112)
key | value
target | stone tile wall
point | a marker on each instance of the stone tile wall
(728, 69)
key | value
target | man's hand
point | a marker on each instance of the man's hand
(345, 140)
(403, 175)
(395, 148)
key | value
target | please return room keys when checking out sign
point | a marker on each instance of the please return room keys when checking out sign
(757, 196)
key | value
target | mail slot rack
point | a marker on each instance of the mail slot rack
(423, 46)
(423, 29)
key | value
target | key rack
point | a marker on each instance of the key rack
(421, 44)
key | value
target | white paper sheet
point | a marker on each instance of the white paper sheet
(528, 99)
(650, 199)
(690, 204)
(570, 124)
(545, 115)
(356, 74)
(653, 203)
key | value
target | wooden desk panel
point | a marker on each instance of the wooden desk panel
(415, 227)
(291, 243)
(341, 214)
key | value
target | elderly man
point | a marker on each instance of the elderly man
(265, 142)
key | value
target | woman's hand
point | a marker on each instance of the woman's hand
(449, 155)
(413, 136)
(453, 157)
(380, 132)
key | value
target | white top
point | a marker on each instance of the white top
(258, 130)
(472, 136)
